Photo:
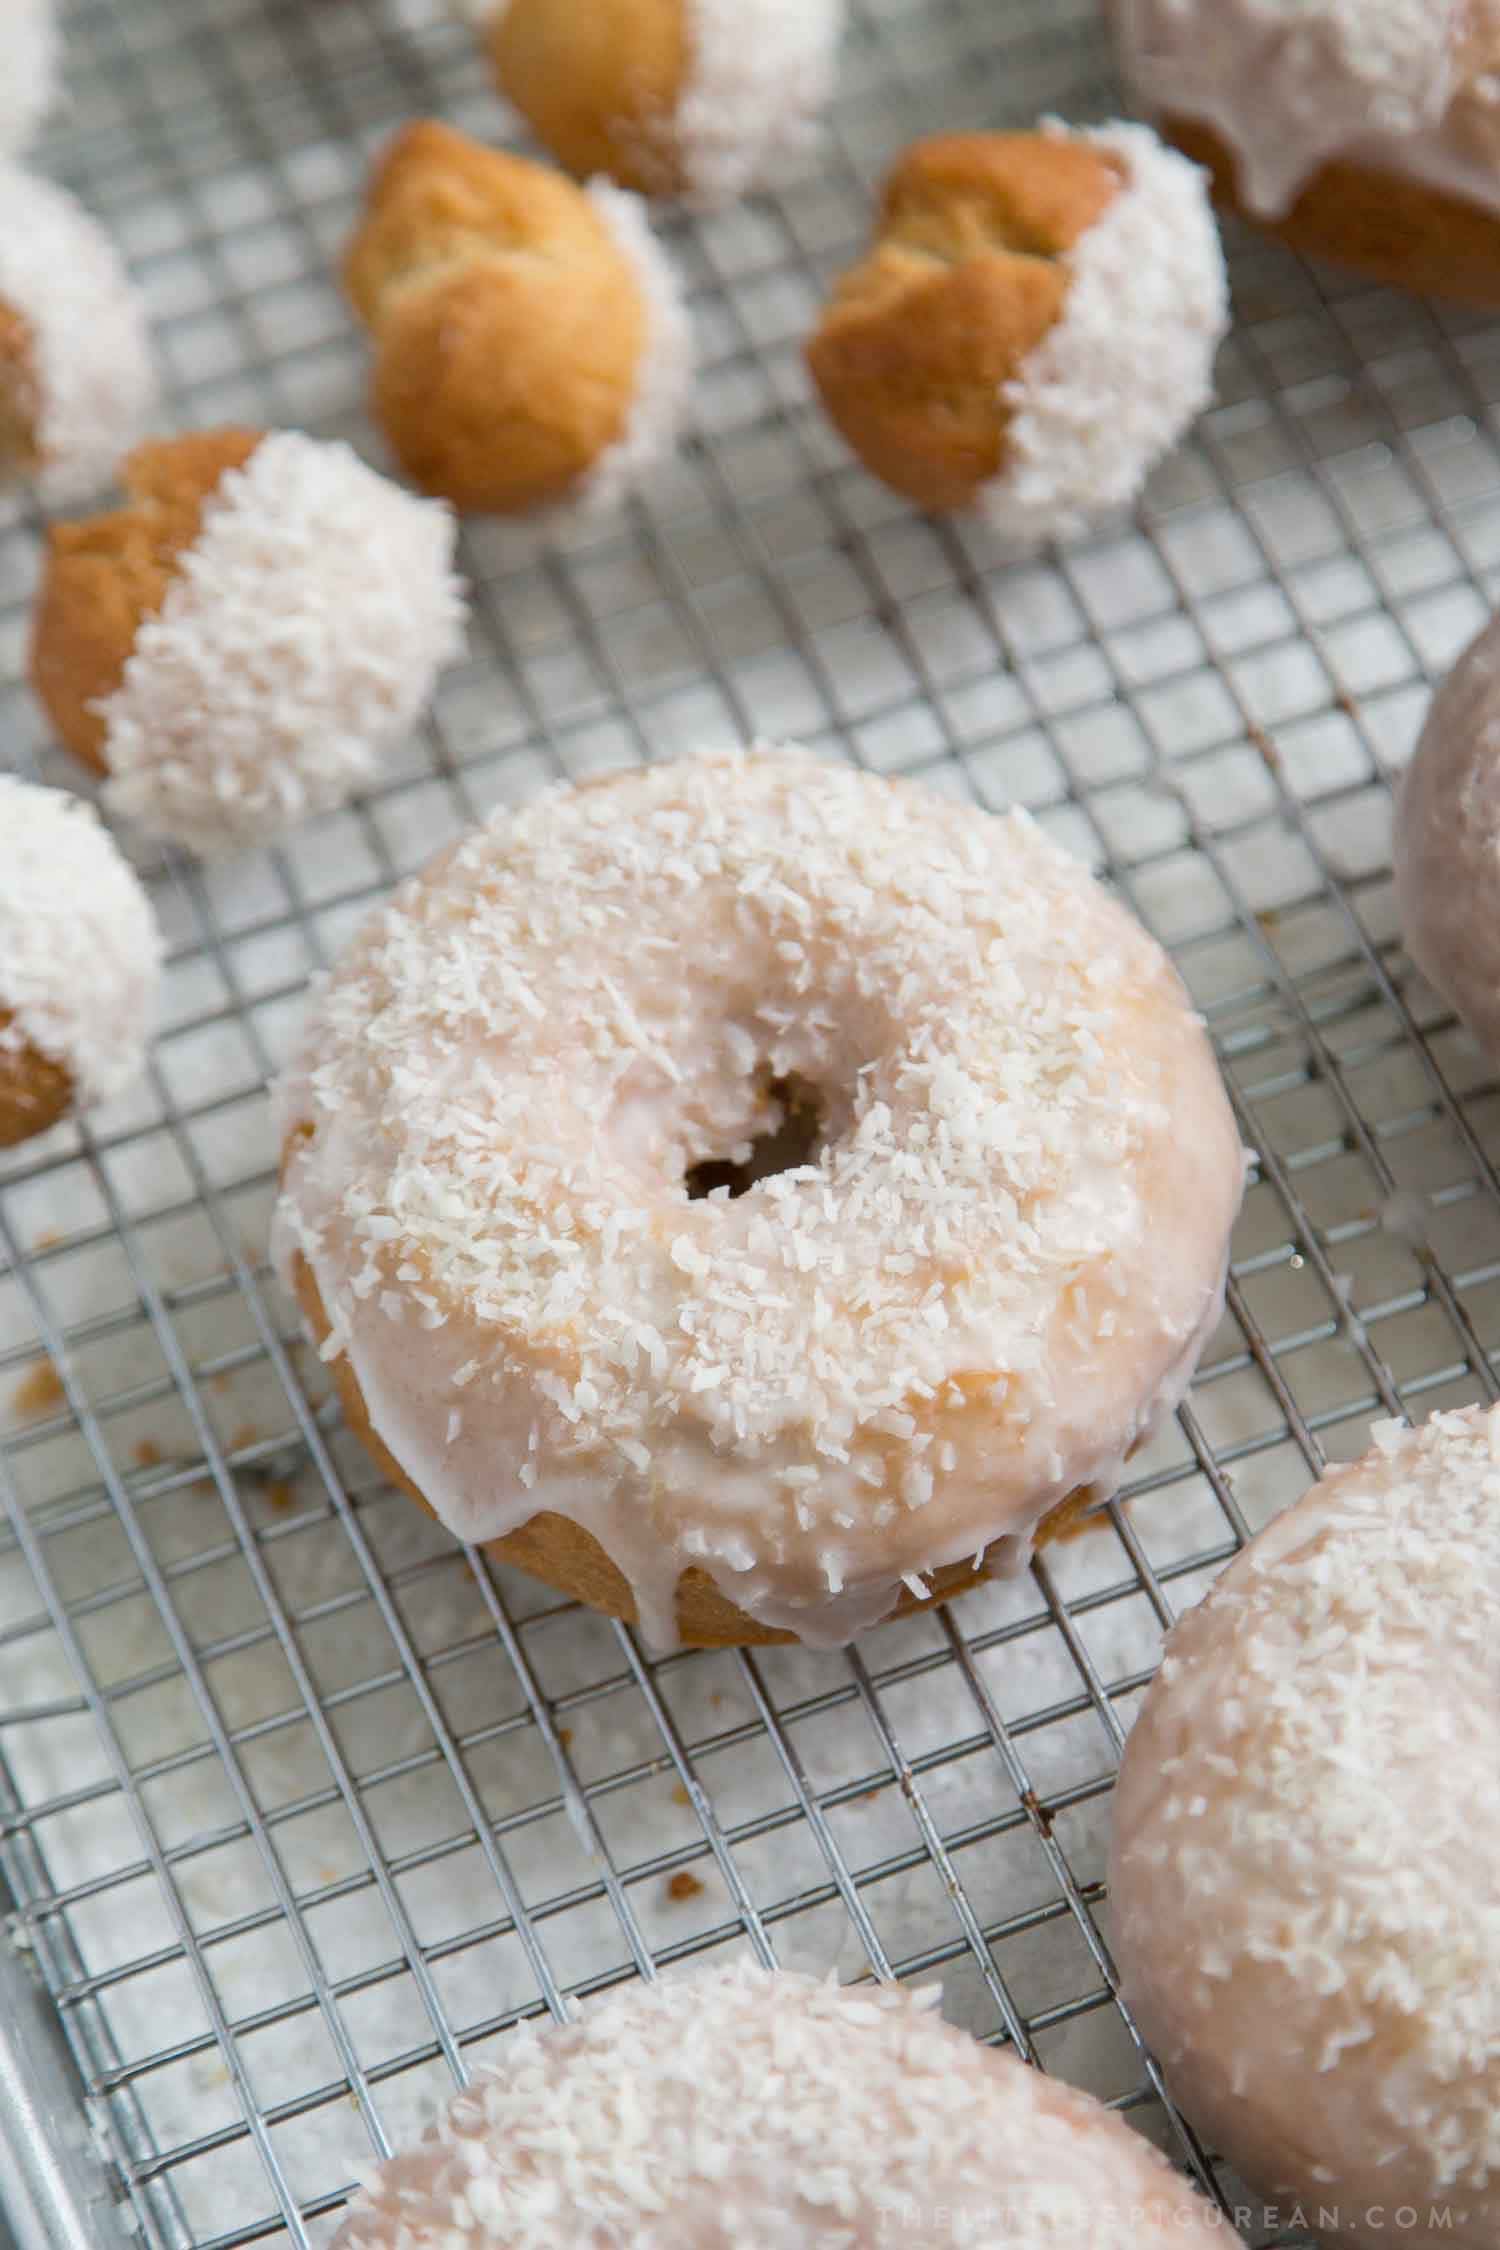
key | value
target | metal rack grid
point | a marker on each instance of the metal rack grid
(300, 1805)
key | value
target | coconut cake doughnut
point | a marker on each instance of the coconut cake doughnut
(240, 645)
(532, 349)
(1307, 1828)
(1447, 842)
(703, 98)
(984, 1274)
(77, 382)
(1033, 327)
(80, 960)
(1362, 130)
(743, 2108)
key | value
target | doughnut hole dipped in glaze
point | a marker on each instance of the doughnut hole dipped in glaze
(77, 383)
(531, 347)
(704, 98)
(743, 2108)
(1366, 131)
(1033, 327)
(80, 961)
(847, 1390)
(1447, 842)
(1306, 1831)
(239, 645)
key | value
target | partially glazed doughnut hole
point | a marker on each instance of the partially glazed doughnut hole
(794, 1132)
(19, 400)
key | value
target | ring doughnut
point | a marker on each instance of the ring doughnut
(746, 2106)
(1447, 842)
(993, 1251)
(1362, 130)
(1307, 1825)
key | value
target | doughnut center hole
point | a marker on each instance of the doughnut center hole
(794, 1140)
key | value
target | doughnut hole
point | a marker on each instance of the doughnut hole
(20, 394)
(599, 85)
(794, 1133)
(103, 576)
(509, 327)
(35, 1091)
(963, 281)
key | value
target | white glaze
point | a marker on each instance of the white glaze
(993, 1279)
(664, 380)
(1129, 364)
(80, 954)
(29, 72)
(298, 640)
(1447, 842)
(96, 384)
(1396, 85)
(1307, 1825)
(762, 72)
(743, 2109)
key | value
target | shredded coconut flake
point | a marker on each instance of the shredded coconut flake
(761, 76)
(297, 643)
(664, 383)
(1127, 367)
(1309, 1819)
(95, 381)
(1009, 1078)
(79, 952)
(29, 75)
(758, 2110)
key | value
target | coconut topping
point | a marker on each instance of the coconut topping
(761, 75)
(95, 385)
(750, 2109)
(1290, 84)
(296, 644)
(1308, 1826)
(28, 82)
(80, 956)
(1118, 378)
(665, 378)
(991, 1273)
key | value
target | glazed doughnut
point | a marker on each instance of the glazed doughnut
(1447, 842)
(531, 343)
(1307, 1826)
(28, 83)
(76, 376)
(1033, 327)
(987, 1270)
(750, 2109)
(704, 98)
(80, 960)
(238, 647)
(1362, 130)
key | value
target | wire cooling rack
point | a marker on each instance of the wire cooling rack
(300, 1805)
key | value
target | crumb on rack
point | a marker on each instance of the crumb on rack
(39, 1391)
(683, 1885)
(147, 1453)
